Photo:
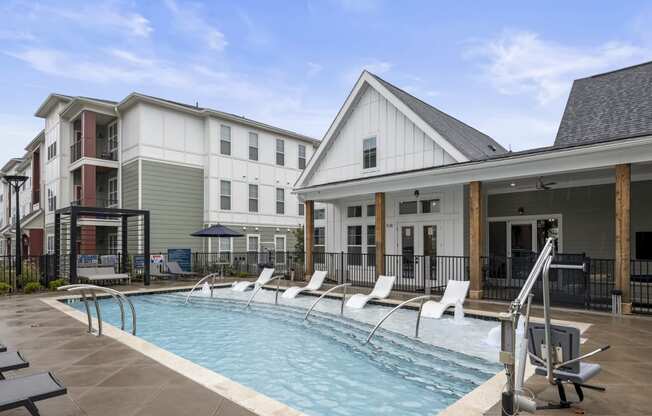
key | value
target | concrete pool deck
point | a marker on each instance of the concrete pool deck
(104, 376)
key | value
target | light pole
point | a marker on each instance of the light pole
(16, 182)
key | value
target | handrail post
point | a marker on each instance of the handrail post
(88, 312)
(278, 284)
(416, 331)
(399, 306)
(343, 300)
(323, 295)
(99, 314)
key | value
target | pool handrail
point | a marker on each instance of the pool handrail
(397, 307)
(344, 285)
(202, 280)
(118, 296)
(257, 289)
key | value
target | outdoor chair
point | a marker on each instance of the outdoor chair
(24, 391)
(263, 279)
(567, 363)
(455, 292)
(10, 361)
(382, 289)
(316, 281)
(175, 269)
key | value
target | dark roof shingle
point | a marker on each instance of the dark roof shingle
(608, 106)
(472, 143)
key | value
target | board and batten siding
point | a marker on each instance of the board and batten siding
(401, 145)
(130, 200)
(267, 238)
(174, 195)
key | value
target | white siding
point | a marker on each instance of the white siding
(401, 145)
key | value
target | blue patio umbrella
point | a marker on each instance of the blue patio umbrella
(217, 230)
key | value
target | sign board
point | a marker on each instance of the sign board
(139, 262)
(182, 257)
(86, 259)
(109, 260)
(156, 259)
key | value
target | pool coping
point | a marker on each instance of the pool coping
(475, 403)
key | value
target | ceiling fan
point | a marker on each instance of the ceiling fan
(544, 185)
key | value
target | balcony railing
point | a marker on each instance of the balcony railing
(76, 153)
(98, 203)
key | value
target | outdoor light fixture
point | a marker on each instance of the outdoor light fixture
(513, 184)
(416, 194)
(521, 211)
(16, 181)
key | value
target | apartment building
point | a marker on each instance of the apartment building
(29, 207)
(190, 166)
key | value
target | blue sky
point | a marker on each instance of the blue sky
(502, 67)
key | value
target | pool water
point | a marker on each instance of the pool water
(321, 366)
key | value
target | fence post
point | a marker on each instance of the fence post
(426, 283)
(341, 267)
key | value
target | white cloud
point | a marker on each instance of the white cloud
(524, 63)
(314, 69)
(189, 19)
(379, 67)
(516, 130)
(374, 66)
(17, 131)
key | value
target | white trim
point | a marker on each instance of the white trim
(285, 241)
(525, 219)
(84, 160)
(258, 237)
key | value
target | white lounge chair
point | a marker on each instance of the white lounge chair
(456, 291)
(265, 276)
(381, 290)
(315, 283)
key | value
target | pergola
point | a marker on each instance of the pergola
(73, 216)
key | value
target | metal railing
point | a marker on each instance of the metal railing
(397, 307)
(259, 287)
(118, 296)
(343, 286)
(76, 152)
(202, 280)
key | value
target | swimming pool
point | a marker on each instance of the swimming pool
(320, 367)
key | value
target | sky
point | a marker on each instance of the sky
(503, 67)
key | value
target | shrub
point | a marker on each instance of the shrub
(4, 288)
(55, 284)
(32, 287)
(243, 274)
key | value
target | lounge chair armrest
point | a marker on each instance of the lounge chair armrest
(582, 357)
(535, 358)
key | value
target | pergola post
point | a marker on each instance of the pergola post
(73, 245)
(146, 249)
(310, 236)
(475, 240)
(623, 253)
(380, 233)
(124, 242)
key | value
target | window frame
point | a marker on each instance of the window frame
(301, 162)
(224, 141)
(371, 248)
(223, 195)
(375, 154)
(280, 211)
(257, 236)
(301, 209)
(354, 258)
(112, 202)
(322, 211)
(253, 199)
(254, 148)
(280, 153)
(348, 211)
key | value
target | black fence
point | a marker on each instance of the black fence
(641, 286)
(34, 269)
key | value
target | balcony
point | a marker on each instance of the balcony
(97, 203)
(76, 153)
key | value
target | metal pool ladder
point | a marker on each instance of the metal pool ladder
(397, 307)
(202, 280)
(257, 289)
(84, 289)
(343, 286)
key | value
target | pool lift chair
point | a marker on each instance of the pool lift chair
(553, 350)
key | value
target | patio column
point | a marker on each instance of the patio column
(380, 233)
(623, 177)
(310, 235)
(475, 239)
(88, 133)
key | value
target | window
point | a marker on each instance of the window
(302, 156)
(253, 146)
(253, 243)
(407, 207)
(280, 152)
(253, 198)
(371, 245)
(319, 240)
(280, 201)
(225, 140)
(52, 150)
(279, 248)
(52, 200)
(50, 244)
(430, 206)
(225, 195)
(354, 244)
(113, 243)
(320, 214)
(369, 153)
(644, 245)
(113, 192)
(371, 210)
(354, 212)
(112, 140)
(301, 209)
(224, 248)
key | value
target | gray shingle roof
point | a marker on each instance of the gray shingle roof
(472, 143)
(608, 106)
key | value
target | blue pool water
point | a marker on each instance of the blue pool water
(320, 367)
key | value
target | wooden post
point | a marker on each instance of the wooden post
(622, 278)
(475, 239)
(310, 236)
(380, 233)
